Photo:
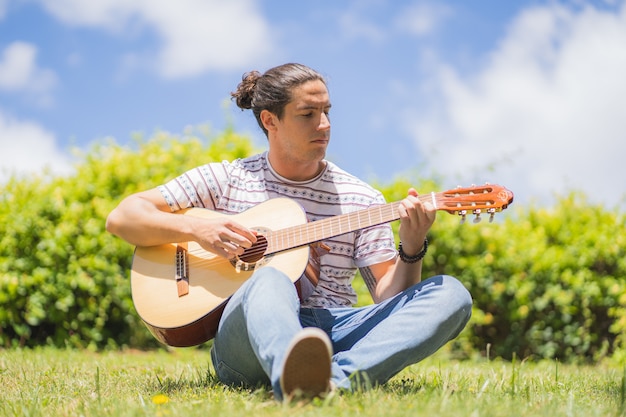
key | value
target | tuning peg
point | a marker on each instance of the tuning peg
(477, 219)
(462, 213)
(492, 213)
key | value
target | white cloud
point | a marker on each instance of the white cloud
(356, 26)
(363, 20)
(28, 148)
(197, 35)
(546, 112)
(423, 18)
(19, 70)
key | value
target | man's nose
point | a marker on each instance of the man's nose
(324, 122)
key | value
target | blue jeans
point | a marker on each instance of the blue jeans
(371, 344)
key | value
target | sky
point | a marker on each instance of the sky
(527, 94)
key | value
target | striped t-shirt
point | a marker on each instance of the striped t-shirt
(233, 187)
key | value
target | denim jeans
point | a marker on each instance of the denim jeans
(371, 344)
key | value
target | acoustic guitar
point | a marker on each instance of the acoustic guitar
(180, 289)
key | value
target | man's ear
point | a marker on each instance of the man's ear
(269, 120)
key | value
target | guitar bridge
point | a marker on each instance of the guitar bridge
(182, 271)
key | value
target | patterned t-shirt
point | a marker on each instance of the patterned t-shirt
(233, 187)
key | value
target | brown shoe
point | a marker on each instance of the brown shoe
(306, 371)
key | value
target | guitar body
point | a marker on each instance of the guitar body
(193, 318)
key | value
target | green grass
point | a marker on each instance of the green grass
(49, 382)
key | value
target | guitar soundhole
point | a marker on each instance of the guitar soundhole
(256, 252)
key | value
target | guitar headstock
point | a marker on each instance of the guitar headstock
(488, 198)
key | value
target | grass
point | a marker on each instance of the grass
(50, 382)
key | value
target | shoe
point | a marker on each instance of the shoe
(306, 371)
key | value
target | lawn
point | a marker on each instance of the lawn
(51, 382)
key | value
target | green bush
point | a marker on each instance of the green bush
(546, 282)
(63, 278)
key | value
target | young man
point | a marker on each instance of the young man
(266, 334)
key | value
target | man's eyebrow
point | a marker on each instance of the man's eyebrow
(312, 107)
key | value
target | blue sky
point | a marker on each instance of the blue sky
(528, 94)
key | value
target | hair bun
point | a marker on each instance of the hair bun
(245, 90)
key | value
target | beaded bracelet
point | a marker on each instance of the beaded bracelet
(415, 258)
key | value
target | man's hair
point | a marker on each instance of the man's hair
(272, 90)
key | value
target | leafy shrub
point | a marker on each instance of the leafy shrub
(546, 282)
(63, 278)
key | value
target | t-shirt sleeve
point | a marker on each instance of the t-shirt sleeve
(375, 244)
(198, 187)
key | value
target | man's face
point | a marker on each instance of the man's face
(303, 133)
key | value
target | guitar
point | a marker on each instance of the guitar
(180, 289)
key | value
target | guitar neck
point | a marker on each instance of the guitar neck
(306, 234)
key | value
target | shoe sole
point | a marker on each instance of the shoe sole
(306, 372)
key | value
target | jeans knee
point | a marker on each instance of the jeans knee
(269, 282)
(457, 298)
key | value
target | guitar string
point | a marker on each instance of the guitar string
(337, 224)
(300, 235)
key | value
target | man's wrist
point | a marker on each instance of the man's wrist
(411, 259)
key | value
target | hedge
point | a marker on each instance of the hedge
(547, 282)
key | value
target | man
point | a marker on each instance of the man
(266, 334)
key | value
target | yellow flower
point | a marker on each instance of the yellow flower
(160, 399)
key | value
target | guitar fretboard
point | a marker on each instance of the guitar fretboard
(296, 236)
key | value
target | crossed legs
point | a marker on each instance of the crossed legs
(371, 344)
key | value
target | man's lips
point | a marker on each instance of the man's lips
(321, 140)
